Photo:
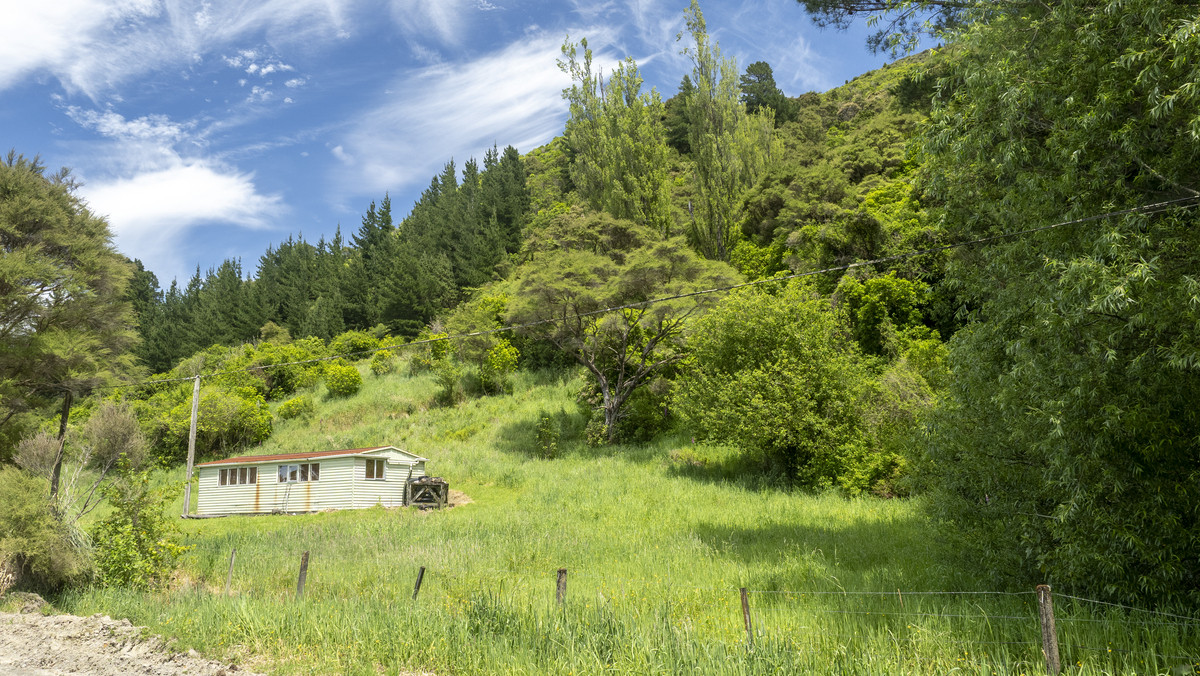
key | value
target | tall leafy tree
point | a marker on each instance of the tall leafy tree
(729, 147)
(595, 262)
(64, 317)
(1068, 450)
(616, 133)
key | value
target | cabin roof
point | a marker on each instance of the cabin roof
(247, 459)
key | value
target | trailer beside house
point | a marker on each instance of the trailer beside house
(354, 478)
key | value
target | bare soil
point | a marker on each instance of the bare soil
(33, 644)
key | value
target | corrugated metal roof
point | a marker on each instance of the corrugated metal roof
(301, 456)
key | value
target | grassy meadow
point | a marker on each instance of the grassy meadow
(657, 540)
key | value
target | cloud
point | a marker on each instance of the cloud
(512, 96)
(92, 46)
(444, 19)
(152, 211)
(340, 153)
(155, 128)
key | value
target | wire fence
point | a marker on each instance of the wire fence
(1016, 628)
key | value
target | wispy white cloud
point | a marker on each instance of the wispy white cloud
(447, 20)
(152, 212)
(156, 128)
(151, 178)
(512, 96)
(92, 46)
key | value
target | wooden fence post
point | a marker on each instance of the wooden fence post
(417, 586)
(1049, 636)
(746, 618)
(303, 575)
(229, 575)
(560, 592)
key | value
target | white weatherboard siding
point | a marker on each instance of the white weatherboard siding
(342, 485)
(388, 491)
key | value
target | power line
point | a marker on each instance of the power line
(1154, 208)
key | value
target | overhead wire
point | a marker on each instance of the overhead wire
(1157, 207)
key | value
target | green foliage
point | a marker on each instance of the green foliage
(773, 375)
(274, 333)
(647, 413)
(616, 134)
(448, 376)
(227, 419)
(383, 362)
(435, 348)
(624, 349)
(880, 308)
(137, 544)
(498, 365)
(64, 319)
(356, 344)
(296, 407)
(1067, 445)
(49, 554)
(342, 380)
(547, 435)
(759, 91)
(729, 147)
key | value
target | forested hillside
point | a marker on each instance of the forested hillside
(1024, 355)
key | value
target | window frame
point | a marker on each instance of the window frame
(237, 476)
(298, 472)
(369, 473)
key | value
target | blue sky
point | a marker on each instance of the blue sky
(209, 129)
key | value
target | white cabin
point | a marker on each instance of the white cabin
(306, 482)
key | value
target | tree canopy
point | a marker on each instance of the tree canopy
(64, 319)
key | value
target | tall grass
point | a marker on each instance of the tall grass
(657, 540)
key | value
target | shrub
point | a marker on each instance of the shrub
(137, 544)
(355, 344)
(499, 363)
(226, 419)
(773, 376)
(47, 553)
(428, 355)
(646, 414)
(547, 435)
(383, 362)
(296, 407)
(343, 380)
(448, 376)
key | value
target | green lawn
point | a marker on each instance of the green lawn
(656, 548)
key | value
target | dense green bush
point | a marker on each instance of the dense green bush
(356, 344)
(383, 362)
(499, 363)
(647, 413)
(773, 375)
(428, 354)
(342, 380)
(48, 553)
(296, 407)
(137, 543)
(226, 420)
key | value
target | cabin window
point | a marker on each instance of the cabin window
(309, 471)
(375, 469)
(237, 475)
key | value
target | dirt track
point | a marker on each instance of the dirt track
(32, 644)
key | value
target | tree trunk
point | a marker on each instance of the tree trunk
(612, 412)
(62, 441)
